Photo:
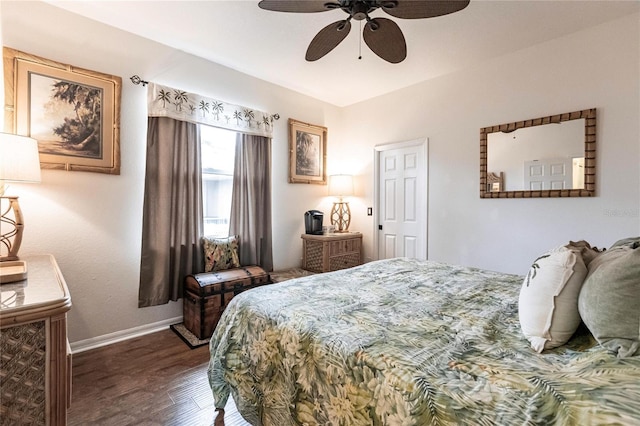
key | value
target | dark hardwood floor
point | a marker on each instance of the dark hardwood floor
(150, 380)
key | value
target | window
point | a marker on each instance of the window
(218, 156)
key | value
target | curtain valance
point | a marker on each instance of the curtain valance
(166, 101)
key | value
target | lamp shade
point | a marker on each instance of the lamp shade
(340, 185)
(19, 159)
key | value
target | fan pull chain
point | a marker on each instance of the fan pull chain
(360, 42)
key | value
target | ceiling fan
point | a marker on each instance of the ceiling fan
(382, 35)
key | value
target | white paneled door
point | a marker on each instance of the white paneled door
(401, 218)
(556, 173)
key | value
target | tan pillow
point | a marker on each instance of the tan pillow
(548, 302)
(587, 252)
(220, 253)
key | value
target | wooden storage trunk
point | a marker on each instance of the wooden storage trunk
(207, 294)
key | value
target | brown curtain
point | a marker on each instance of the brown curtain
(172, 213)
(251, 200)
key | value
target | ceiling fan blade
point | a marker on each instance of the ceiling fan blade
(327, 39)
(298, 6)
(416, 9)
(384, 37)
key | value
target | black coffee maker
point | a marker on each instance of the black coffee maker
(313, 222)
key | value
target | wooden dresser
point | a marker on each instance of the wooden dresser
(331, 252)
(35, 360)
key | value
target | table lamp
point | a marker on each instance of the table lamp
(341, 186)
(19, 162)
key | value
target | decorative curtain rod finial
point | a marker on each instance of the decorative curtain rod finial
(137, 80)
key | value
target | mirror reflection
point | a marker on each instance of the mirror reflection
(543, 157)
(549, 156)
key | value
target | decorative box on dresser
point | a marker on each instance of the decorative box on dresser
(35, 359)
(331, 252)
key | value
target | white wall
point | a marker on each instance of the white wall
(597, 68)
(92, 222)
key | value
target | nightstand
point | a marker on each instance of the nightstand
(331, 252)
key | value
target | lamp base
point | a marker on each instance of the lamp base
(13, 271)
(341, 216)
(12, 227)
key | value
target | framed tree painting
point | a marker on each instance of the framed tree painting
(307, 153)
(73, 113)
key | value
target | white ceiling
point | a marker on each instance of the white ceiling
(272, 45)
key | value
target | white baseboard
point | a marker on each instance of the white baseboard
(119, 336)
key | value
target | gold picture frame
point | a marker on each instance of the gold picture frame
(307, 153)
(73, 113)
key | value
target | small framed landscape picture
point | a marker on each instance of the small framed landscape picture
(307, 153)
(73, 113)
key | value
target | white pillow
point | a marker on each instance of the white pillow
(548, 303)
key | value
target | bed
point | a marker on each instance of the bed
(408, 342)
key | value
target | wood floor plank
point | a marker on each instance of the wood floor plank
(150, 380)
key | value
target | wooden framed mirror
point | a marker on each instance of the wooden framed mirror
(543, 157)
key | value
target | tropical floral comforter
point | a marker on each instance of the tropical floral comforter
(408, 342)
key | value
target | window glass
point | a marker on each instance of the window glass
(218, 155)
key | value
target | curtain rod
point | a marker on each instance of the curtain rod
(137, 80)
